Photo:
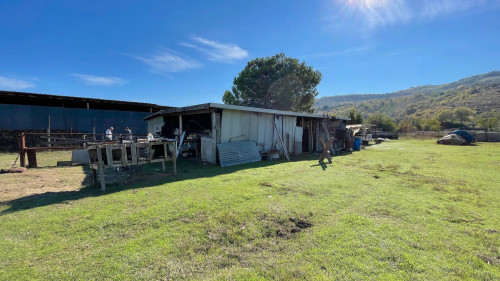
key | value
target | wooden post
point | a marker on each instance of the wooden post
(180, 128)
(32, 158)
(174, 156)
(48, 132)
(124, 155)
(311, 136)
(133, 152)
(317, 135)
(165, 155)
(214, 138)
(101, 167)
(22, 150)
(109, 155)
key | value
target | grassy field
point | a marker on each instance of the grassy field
(403, 210)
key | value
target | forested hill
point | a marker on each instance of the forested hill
(480, 93)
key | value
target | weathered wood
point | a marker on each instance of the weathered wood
(311, 139)
(133, 152)
(109, 155)
(124, 155)
(180, 143)
(174, 156)
(317, 134)
(101, 167)
(281, 141)
(32, 158)
(214, 137)
(180, 126)
(165, 156)
(327, 133)
(326, 152)
(22, 150)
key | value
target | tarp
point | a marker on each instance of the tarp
(452, 139)
(464, 134)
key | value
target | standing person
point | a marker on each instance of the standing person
(109, 133)
(129, 133)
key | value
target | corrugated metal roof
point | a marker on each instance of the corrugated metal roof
(240, 152)
(26, 98)
(235, 107)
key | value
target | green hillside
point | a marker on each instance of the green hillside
(480, 93)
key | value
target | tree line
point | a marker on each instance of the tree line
(459, 117)
(283, 83)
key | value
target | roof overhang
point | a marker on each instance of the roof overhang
(204, 106)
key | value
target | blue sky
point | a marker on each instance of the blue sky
(188, 52)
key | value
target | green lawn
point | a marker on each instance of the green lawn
(409, 210)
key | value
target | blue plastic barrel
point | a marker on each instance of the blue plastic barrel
(357, 144)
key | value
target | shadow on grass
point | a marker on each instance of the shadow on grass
(147, 176)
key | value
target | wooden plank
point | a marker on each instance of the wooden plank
(281, 141)
(310, 136)
(109, 155)
(174, 156)
(101, 167)
(133, 152)
(214, 138)
(317, 134)
(180, 143)
(165, 156)
(180, 126)
(124, 155)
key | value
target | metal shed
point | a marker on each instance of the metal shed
(209, 124)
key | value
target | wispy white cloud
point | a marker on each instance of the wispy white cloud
(371, 14)
(217, 51)
(12, 84)
(343, 52)
(435, 8)
(166, 61)
(93, 80)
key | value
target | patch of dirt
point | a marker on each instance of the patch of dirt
(489, 260)
(41, 180)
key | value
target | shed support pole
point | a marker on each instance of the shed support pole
(214, 138)
(317, 135)
(174, 156)
(22, 150)
(180, 125)
(48, 132)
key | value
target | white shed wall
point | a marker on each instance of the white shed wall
(155, 124)
(259, 127)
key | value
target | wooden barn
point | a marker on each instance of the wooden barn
(204, 128)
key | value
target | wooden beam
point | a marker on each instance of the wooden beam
(174, 155)
(214, 137)
(22, 150)
(317, 134)
(310, 136)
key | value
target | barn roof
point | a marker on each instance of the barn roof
(204, 106)
(24, 98)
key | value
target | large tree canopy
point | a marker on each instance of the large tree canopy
(275, 82)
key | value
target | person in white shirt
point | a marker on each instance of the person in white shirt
(109, 133)
(129, 133)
